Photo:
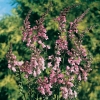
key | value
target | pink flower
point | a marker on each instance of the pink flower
(49, 65)
(50, 57)
(60, 81)
(64, 91)
(43, 45)
(41, 89)
(20, 63)
(35, 28)
(71, 78)
(52, 74)
(48, 47)
(61, 44)
(85, 75)
(26, 76)
(58, 52)
(29, 71)
(67, 68)
(76, 31)
(70, 84)
(40, 42)
(71, 23)
(70, 31)
(41, 63)
(79, 77)
(77, 61)
(34, 73)
(13, 69)
(72, 69)
(50, 93)
(60, 75)
(65, 96)
(44, 86)
(85, 78)
(75, 94)
(62, 23)
(9, 66)
(38, 71)
(70, 92)
(76, 68)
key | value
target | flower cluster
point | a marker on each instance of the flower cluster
(61, 45)
(12, 61)
(56, 77)
(61, 70)
(73, 25)
(44, 86)
(34, 67)
(35, 34)
(62, 23)
(68, 93)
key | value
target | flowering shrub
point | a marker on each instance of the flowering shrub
(55, 76)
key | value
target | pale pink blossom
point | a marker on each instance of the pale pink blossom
(75, 94)
(34, 73)
(38, 71)
(48, 47)
(41, 89)
(50, 57)
(69, 84)
(9, 66)
(49, 65)
(64, 91)
(79, 77)
(70, 92)
(13, 69)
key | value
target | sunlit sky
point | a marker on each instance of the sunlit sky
(5, 7)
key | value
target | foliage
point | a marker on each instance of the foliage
(10, 32)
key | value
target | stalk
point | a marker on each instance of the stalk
(30, 92)
(21, 84)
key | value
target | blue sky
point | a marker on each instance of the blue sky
(5, 7)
